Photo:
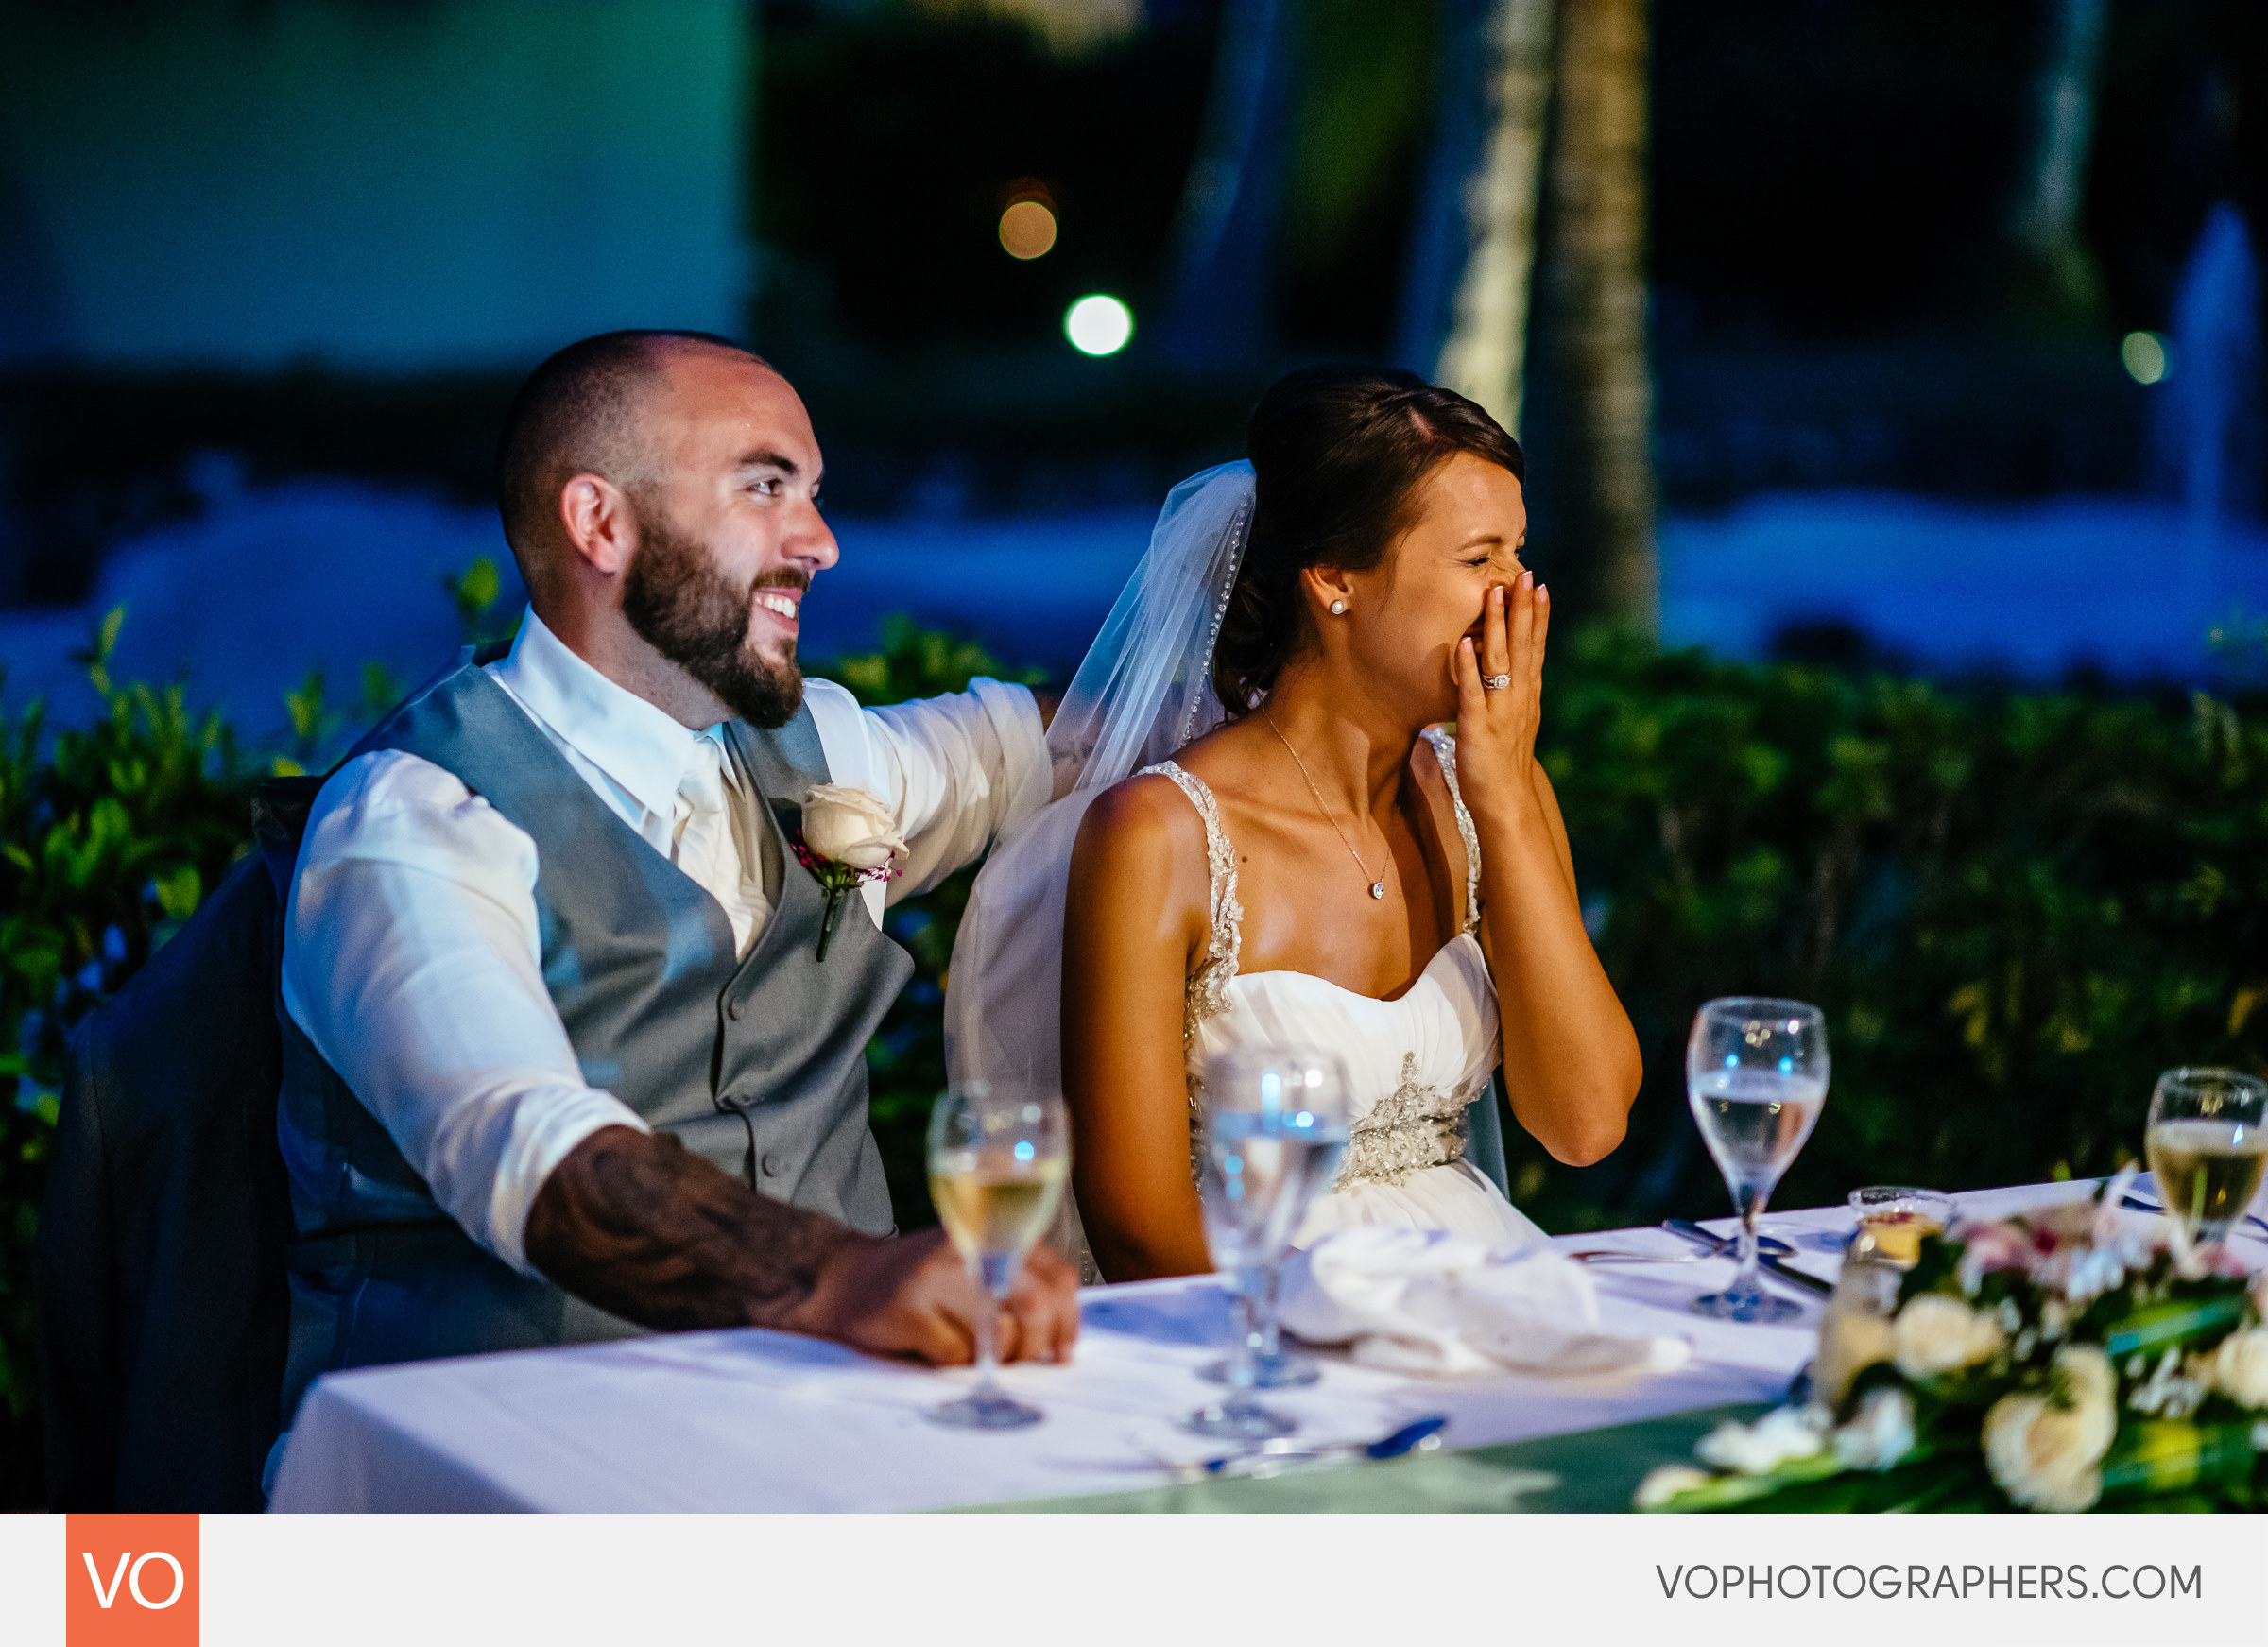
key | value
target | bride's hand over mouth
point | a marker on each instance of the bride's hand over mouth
(1500, 703)
(1570, 1060)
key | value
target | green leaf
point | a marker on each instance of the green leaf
(2174, 1321)
(180, 890)
(380, 690)
(306, 707)
(1728, 1492)
(481, 584)
(2152, 1456)
(474, 592)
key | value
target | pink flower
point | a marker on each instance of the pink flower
(1988, 1247)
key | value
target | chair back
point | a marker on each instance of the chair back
(164, 1312)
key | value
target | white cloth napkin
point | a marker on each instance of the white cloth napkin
(1427, 1301)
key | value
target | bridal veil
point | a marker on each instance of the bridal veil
(1144, 689)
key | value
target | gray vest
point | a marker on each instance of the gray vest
(758, 1065)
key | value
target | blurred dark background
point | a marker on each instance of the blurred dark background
(269, 270)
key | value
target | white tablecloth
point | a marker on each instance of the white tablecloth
(756, 1420)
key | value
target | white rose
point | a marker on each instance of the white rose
(849, 826)
(1881, 1434)
(2045, 1456)
(1936, 1333)
(2038, 1454)
(1761, 1447)
(2240, 1368)
(1665, 1481)
(2088, 1373)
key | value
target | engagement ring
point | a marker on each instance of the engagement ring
(1496, 682)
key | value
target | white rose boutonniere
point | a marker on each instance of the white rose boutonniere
(849, 837)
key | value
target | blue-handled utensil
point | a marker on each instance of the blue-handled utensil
(1412, 1437)
(2140, 1203)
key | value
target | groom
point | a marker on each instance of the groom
(560, 1058)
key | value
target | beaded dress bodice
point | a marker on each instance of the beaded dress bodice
(1415, 1062)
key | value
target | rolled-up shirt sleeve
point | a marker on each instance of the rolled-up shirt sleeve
(412, 961)
(960, 771)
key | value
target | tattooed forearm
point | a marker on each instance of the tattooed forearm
(640, 1225)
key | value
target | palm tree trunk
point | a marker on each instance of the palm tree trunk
(1595, 264)
(1484, 356)
(2043, 220)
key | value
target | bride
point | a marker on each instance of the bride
(1263, 835)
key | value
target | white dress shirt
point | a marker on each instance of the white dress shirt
(411, 954)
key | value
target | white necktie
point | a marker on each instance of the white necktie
(703, 846)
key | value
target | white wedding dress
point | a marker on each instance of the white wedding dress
(1142, 693)
(1412, 1063)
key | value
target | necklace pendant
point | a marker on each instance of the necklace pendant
(1378, 888)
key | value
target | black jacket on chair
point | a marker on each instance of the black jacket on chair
(163, 1305)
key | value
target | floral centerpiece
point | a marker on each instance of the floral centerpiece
(2065, 1358)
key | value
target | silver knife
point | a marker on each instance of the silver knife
(1687, 1229)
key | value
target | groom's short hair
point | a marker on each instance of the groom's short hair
(577, 413)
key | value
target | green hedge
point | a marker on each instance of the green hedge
(2015, 907)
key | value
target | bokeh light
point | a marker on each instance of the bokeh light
(1027, 229)
(1097, 324)
(2147, 357)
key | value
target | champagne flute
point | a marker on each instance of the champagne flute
(2207, 1144)
(997, 1162)
(1756, 1074)
(1275, 1130)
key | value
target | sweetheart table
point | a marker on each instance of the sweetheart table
(755, 1420)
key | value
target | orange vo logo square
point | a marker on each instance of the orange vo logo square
(130, 1581)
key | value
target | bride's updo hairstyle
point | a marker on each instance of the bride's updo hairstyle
(1338, 454)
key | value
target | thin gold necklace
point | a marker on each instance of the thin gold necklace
(1378, 888)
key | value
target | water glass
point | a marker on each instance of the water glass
(2207, 1144)
(1276, 1123)
(1755, 1073)
(997, 1163)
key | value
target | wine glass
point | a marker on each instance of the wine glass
(1756, 1074)
(997, 1162)
(1275, 1130)
(2207, 1144)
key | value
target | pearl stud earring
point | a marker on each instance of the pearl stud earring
(1338, 609)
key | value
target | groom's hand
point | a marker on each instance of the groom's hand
(911, 1296)
(640, 1225)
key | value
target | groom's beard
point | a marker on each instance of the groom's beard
(698, 619)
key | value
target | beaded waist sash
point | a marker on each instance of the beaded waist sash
(1418, 1126)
